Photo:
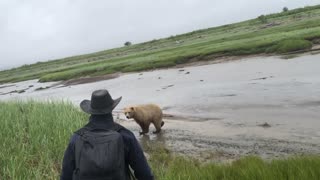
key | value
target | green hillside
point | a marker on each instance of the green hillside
(293, 30)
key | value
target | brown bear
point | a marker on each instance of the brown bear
(144, 115)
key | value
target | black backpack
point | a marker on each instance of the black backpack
(99, 155)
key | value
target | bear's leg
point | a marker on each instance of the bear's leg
(145, 128)
(157, 124)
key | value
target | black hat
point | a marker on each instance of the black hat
(101, 103)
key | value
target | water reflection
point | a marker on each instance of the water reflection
(151, 142)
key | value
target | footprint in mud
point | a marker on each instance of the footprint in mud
(171, 85)
(265, 125)
(42, 88)
(227, 95)
(263, 78)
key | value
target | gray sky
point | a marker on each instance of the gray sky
(40, 30)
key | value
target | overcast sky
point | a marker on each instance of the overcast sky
(40, 30)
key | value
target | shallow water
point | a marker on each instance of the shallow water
(224, 102)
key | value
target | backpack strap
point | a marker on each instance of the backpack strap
(78, 147)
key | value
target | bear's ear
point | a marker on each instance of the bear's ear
(132, 108)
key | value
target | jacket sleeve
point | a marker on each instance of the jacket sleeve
(68, 164)
(137, 160)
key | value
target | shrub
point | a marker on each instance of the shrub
(263, 19)
(128, 43)
(289, 45)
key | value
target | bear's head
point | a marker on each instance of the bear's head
(129, 112)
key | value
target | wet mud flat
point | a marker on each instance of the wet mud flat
(192, 140)
(264, 106)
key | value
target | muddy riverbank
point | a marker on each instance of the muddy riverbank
(265, 106)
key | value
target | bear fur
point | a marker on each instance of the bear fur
(144, 115)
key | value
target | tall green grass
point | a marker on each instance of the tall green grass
(246, 168)
(169, 166)
(34, 136)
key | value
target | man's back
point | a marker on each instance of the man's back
(133, 154)
(99, 154)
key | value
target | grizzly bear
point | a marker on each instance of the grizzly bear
(144, 115)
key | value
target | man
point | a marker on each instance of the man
(103, 149)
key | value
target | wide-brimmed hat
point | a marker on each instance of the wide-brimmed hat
(101, 103)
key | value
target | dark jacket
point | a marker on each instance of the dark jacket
(133, 152)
